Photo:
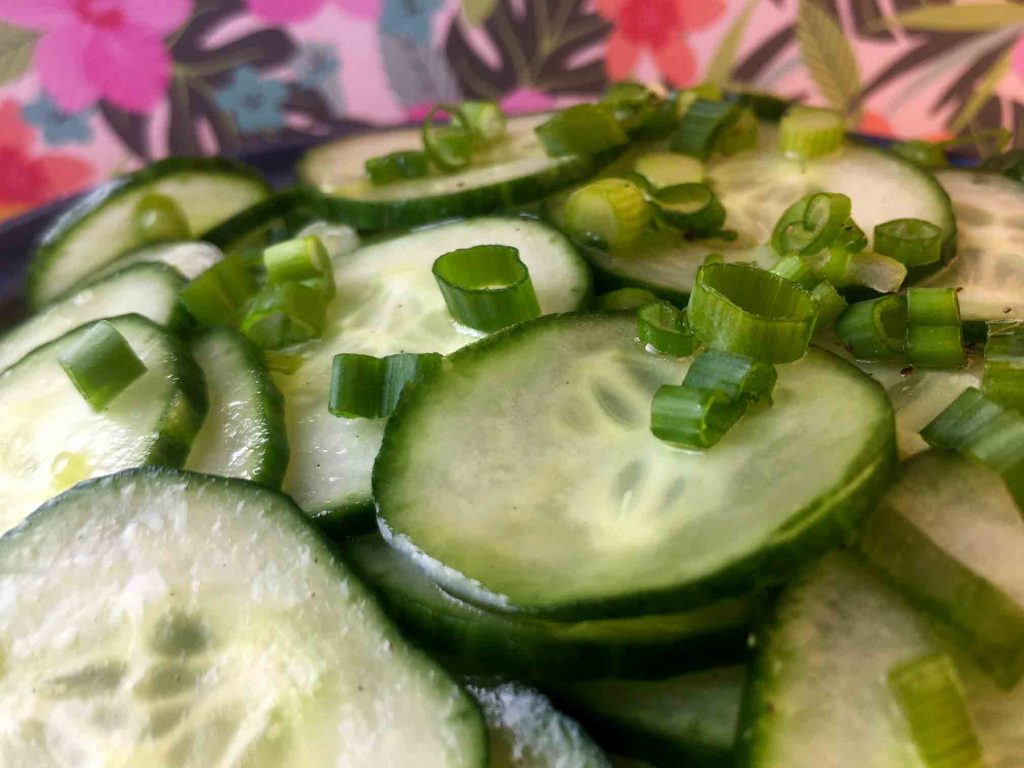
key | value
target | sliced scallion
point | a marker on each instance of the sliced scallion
(913, 242)
(299, 260)
(702, 125)
(875, 329)
(633, 104)
(449, 147)
(585, 129)
(870, 270)
(158, 217)
(809, 132)
(830, 304)
(740, 134)
(609, 213)
(1003, 379)
(625, 298)
(662, 327)
(387, 169)
(666, 169)
(934, 335)
(738, 377)
(689, 207)
(693, 418)
(812, 223)
(217, 296)
(284, 314)
(366, 387)
(101, 364)
(795, 267)
(484, 119)
(486, 287)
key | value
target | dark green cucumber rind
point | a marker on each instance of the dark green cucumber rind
(250, 226)
(350, 519)
(826, 522)
(543, 652)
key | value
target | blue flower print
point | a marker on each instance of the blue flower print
(316, 65)
(58, 127)
(256, 103)
(409, 18)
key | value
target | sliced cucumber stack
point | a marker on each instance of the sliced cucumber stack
(51, 438)
(100, 227)
(543, 651)
(162, 618)
(243, 433)
(190, 257)
(150, 290)
(513, 171)
(387, 302)
(524, 476)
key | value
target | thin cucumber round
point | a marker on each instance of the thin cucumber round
(190, 257)
(524, 475)
(989, 271)
(100, 227)
(513, 171)
(51, 438)
(687, 720)
(543, 651)
(388, 302)
(150, 290)
(243, 433)
(163, 618)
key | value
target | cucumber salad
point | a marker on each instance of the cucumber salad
(674, 430)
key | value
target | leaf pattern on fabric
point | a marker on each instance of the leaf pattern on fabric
(16, 46)
(417, 74)
(828, 57)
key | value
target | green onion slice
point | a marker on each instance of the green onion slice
(486, 287)
(387, 169)
(158, 217)
(101, 364)
(625, 298)
(809, 132)
(795, 267)
(702, 125)
(485, 120)
(875, 329)
(738, 377)
(609, 213)
(851, 237)
(450, 147)
(585, 130)
(666, 169)
(1003, 379)
(934, 335)
(870, 270)
(663, 328)
(299, 260)
(812, 223)
(931, 697)
(365, 387)
(751, 312)
(284, 314)
(913, 242)
(690, 207)
(693, 418)
(741, 134)
(217, 296)
(634, 105)
(830, 304)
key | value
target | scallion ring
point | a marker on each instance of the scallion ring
(690, 207)
(875, 329)
(811, 223)
(101, 364)
(450, 147)
(663, 328)
(486, 287)
(1003, 379)
(934, 334)
(913, 242)
(366, 387)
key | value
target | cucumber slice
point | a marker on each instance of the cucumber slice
(162, 618)
(526, 731)
(99, 228)
(688, 720)
(52, 439)
(544, 651)
(243, 433)
(388, 302)
(524, 475)
(268, 219)
(990, 269)
(627, 762)
(756, 187)
(150, 290)
(511, 172)
(951, 537)
(190, 257)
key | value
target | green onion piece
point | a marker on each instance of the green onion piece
(852, 237)
(926, 154)
(625, 298)
(585, 129)
(741, 134)
(812, 223)
(875, 329)
(217, 296)
(751, 312)
(365, 387)
(610, 213)
(830, 304)
(934, 335)
(702, 125)
(809, 132)
(283, 314)
(913, 242)
(871, 270)
(1003, 379)
(486, 287)
(633, 104)
(663, 328)
(693, 418)
(158, 217)
(931, 697)
(666, 169)
(449, 147)
(299, 260)
(387, 169)
(689, 207)
(795, 267)
(738, 377)
(101, 364)
(485, 120)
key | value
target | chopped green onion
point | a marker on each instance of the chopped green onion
(299, 260)
(812, 223)
(913, 242)
(830, 304)
(633, 104)
(101, 364)
(738, 377)
(875, 329)
(693, 418)
(449, 147)
(663, 328)
(666, 169)
(485, 120)
(689, 207)
(1003, 379)
(931, 697)
(751, 312)
(810, 132)
(701, 127)
(852, 237)
(486, 287)
(926, 154)
(217, 296)
(625, 298)
(871, 270)
(741, 134)
(387, 169)
(585, 129)
(283, 314)
(158, 217)
(934, 336)
(795, 267)
(365, 387)
(611, 213)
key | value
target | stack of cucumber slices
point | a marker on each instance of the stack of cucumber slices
(667, 431)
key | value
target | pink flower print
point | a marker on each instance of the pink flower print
(525, 100)
(101, 49)
(1017, 58)
(287, 11)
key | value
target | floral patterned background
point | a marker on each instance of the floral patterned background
(89, 88)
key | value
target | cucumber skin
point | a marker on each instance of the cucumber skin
(249, 221)
(65, 226)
